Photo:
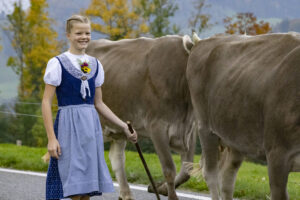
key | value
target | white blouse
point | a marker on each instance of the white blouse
(53, 71)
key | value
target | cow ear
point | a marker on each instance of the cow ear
(187, 43)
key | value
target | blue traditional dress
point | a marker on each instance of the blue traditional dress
(81, 168)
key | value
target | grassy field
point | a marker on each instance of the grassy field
(252, 180)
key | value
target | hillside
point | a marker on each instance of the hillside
(288, 25)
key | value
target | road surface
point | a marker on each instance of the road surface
(24, 185)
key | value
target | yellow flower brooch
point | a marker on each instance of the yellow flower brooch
(84, 66)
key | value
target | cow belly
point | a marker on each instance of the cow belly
(249, 146)
(238, 122)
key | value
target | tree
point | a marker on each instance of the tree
(38, 131)
(199, 21)
(35, 43)
(17, 33)
(43, 45)
(246, 23)
(158, 12)
(117, 19)
(5, 119)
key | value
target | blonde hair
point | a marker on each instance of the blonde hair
(76, 18)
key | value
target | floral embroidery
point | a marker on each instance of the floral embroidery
(84, 66)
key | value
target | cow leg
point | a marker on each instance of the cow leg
(231, 161)
(183, 175)
(209, 161)
(161, 144)
(117, 159)
(188, 157)
(278, 169)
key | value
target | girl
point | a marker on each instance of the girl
(77, 168)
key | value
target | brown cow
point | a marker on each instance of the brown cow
(145, 83)
(246, 95)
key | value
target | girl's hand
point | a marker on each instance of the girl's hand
(54, 148)
(132, 137)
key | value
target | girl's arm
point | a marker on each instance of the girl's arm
(53, 145)
(105, 111)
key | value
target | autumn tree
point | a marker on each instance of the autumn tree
(247, 23)
(17, 33)
(117, 19)
(198, 20)
(43, 45)
(158, 13)
(35, 43)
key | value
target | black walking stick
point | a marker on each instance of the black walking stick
(144, 162)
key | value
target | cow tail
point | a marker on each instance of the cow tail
(194, 169)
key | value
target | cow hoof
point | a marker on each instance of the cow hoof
(161, 188)
(126, 198)
(173, 198)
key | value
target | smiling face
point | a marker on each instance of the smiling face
(79, 37)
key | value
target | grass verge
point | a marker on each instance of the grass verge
(251, 184)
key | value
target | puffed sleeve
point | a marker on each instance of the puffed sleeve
(100, 76)
(53, 72)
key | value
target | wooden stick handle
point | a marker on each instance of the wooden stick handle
(144, 162)
(130, 127)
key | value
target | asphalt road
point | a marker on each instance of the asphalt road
(22, 185)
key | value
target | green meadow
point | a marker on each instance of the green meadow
(252, 180)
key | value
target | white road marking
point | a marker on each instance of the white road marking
(23, 172)
(134, 187)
